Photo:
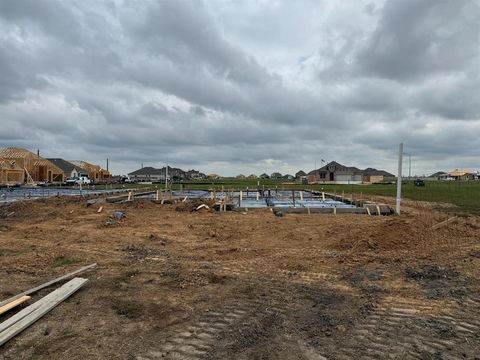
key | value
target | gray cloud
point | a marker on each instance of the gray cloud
(415, 39)
(235, 87)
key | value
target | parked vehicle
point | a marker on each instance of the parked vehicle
(78, 180)
(419, 182)
(124, 179)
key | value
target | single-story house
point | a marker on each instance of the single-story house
(264, 176)
(462, 174)
(195, 174)
(276, 175)
(300, 174)
(335, 172)
(439, 175)
(372, 175)
(341, 174)
(148, 174)
(69, 169)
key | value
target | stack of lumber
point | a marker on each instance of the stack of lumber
(30, 314)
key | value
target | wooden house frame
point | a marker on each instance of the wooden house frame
(35, 168)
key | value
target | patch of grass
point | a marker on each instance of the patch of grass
(123, 279)
(62, 261)
(127, 309)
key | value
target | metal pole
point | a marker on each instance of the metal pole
(399, 178)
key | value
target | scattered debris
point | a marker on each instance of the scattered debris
(119, 215)
(100, 209)
(203, 206)
(277, 213)
(137, 252)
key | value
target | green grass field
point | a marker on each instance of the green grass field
(464, 196)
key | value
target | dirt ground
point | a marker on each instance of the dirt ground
(175, 284)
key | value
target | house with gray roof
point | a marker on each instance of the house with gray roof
(70, 170)
(341, 174)
(148, 174)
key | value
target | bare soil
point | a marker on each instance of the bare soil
(172, 283)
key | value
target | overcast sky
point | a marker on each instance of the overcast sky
(243, 86)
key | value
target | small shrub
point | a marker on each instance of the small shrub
(127, 309)
(62, 261)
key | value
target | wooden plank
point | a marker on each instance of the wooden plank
(443, 223)
(18, 323)
(47, 284)
(13, 304)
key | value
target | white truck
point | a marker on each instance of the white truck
(83, 180)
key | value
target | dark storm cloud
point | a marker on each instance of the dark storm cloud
(219, 85)
(415, 39)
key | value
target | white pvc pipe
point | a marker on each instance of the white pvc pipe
(399, 178)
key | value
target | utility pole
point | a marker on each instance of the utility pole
(399, 178)
(166, 176)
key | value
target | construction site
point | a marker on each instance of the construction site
(245, 274)
(21, 167)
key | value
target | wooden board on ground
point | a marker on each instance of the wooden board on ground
(14, 303)
(49, 283)
(26, 317)
(443, 223)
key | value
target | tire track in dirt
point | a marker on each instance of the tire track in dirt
(413, 330)
(198, 339)
(397, 327)
(194, 341)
